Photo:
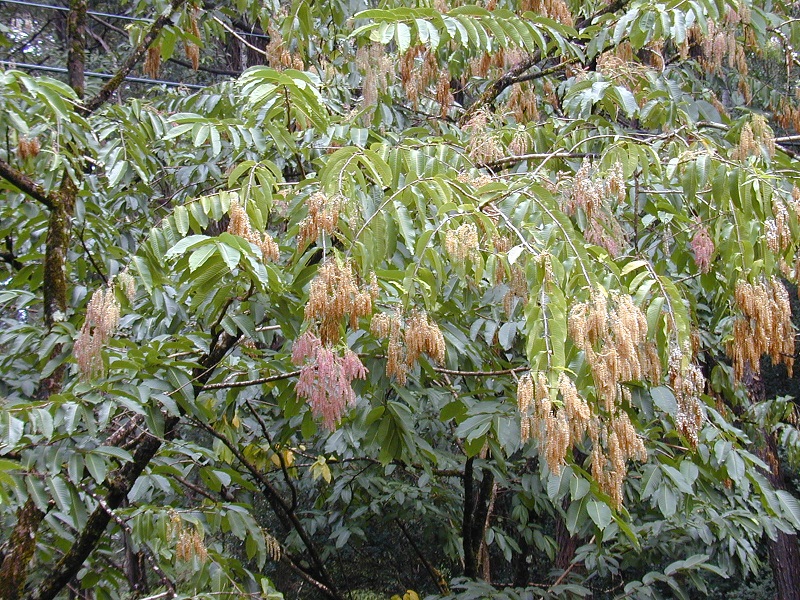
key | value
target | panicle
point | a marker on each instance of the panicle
(240, 225)
(334, 293)
(102, 317)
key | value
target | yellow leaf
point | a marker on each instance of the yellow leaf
(410, 595)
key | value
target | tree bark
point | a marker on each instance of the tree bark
(784, 552)
(22, 544)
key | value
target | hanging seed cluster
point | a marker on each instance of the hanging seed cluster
(688, 383)
(240, 225)
(523, 104)
(765, 327)
(323, 216)
(325, 379)
(614, 341)
(102, 318)
(152, 61)
(334, 294)
(755, 136)
(408, 340)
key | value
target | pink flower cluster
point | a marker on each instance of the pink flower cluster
(703, 247)
(325, 378)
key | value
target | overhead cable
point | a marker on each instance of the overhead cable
(94, 13)
(46, 68)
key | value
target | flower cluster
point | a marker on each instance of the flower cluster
(755, 136)
(614, 342)
(408, 340)
(523, 104)
(461, 243)
(334, 294)
(613, 445)
(703, 248)
(102, 317)
(765, 327)
(594, 196)
(483, 146)
(240, 225)
(554, 9)
(323, 215)
(325, 378)
(188, 541)
(557, 426)
(378, 69)
(278, 56)
(28, 147)
(191, 48)
(688, 383)
(417, 75)
(152, 61)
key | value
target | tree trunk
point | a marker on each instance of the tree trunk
(784, 553)
(15, 565)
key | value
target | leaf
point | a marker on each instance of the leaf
(600, 513)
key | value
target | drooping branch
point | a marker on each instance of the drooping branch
(113, 84)
(435, 574)
(27, 185)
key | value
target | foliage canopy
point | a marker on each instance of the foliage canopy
(497, 277)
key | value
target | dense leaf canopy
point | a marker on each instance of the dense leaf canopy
(482, 288)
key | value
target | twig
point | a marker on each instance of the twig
(237, 384)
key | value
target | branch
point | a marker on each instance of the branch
(480, 373)
(510, 160)
(279, 506)
(27, 185)
(237, 384)
(435, 574)
(113, 84)
(165, 581)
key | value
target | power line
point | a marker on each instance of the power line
(108, 15)
(46, 68)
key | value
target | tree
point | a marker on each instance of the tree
(498, 278)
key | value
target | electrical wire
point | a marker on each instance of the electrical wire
(107, 15)
(46, 68)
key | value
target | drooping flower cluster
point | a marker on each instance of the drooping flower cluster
(325, 378)
(28, 147)
(377, 67)
(522, 102)
(240, 225)
(334, 294)
(461, 243)
(323, 215)
(408, 340)
(102, 317)
(188, 540)
(756, 135)
(703, 248)
(559, 426)
(418, 70)
(594, 195)
(688, 383)
(613, 445)
(614, 341)
(278, 55)
(190, 47)
(720, 42)
(483, 146)
(554, 9)
(765, 327)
